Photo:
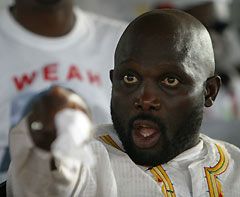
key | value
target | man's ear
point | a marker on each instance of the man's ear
(211, 90)
(111, 74)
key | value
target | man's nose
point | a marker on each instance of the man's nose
(147, 99)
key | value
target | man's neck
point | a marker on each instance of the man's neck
(49, 22)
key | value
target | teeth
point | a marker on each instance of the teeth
(145, 134)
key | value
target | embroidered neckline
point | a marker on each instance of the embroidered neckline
(158, 172)
(160, 175)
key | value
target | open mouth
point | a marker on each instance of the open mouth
(145, 133)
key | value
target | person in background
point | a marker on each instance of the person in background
(46, 42)
(164, 76)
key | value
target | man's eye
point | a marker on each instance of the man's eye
(170, 81)
(130, 79)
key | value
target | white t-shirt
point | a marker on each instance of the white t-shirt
(81, 60)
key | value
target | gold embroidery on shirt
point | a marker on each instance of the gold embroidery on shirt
(108, 140)
(214, 185)
(162, 177)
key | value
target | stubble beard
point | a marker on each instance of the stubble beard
(186, 135)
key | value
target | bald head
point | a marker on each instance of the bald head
(171, 35)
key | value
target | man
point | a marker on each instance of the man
(162, 79)
(51, 42)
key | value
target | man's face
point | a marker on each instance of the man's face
(157, 99)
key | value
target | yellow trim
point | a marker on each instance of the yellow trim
(214, 185)
(158, 172)
(161, 176)
(108, 140)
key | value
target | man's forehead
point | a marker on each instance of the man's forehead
(152, 39)
(168, 35)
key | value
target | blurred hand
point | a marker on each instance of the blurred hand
(41, 119)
